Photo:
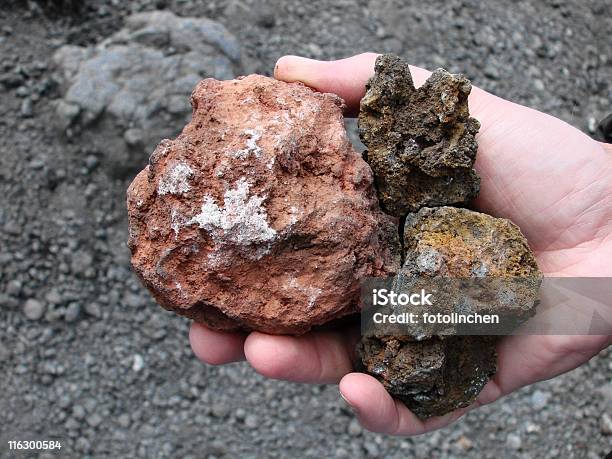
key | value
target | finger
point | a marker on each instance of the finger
(526, 359)
(216, 347)
(379, 412)
(344, 77)
(317, 357)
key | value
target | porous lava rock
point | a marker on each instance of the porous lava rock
(420, 142)
(259, 215)
(434, 375)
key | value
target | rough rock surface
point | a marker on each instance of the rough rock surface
(260, 214)
(132, 89)
(455, 242)
(434, 376)
(420, 142)
(438, 374)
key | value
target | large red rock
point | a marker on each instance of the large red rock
(260, 215)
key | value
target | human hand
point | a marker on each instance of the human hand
(550, 179)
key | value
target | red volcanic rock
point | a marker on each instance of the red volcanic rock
(260, 215)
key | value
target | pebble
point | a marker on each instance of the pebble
(133, 137)
(514, 441)
(94, 420)
(220, 410)
(138, 363)
(78, 412)
(91, 162)
(93, 309)
(354, 428)
(532, 428)
(605, 424)
(66, 113)
(251, 421)
(464, 443)
(124, 420)
(491, 72)
(72, 312)
(13, 287)
(53, 296)
(539, 399)
(371, 449)
(27, 110)
(22, 91)
(33, 309)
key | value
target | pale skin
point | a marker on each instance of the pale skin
(543, 174)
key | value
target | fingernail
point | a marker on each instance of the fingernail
(348, 404)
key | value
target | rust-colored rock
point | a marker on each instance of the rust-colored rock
(259, 215)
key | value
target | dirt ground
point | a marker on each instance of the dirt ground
(110, 374)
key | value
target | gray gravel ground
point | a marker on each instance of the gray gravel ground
(87, 358)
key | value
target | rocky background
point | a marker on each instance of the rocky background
(87, 358)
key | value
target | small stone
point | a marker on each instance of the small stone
(138, 363)
(606, 392)
(94, 420)
(464, 443)
(220, 410)
(539, 399)
(13, 287)
(532, 428)
(251, 421)
(66, 114)
(27, 110)
(491, 72)
(78, 412)
(354, 428)
(124, 420)
(33, 309)
(539, 85)
(81, 261)
(11, 80)
(133, 137)
(603, 132)
(22, 91)
(91, 162)
(93, 309)
(72, 312)
(53, 296)
(421, 142)
(371, 449)
(605, 424)
(514, 441)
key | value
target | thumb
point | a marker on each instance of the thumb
(344, 77)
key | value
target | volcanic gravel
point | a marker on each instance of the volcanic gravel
(88, 359)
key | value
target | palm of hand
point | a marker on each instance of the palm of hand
(551, 180)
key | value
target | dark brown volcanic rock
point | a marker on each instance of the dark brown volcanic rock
(434, 375)
(421, 142)
(259, 215)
